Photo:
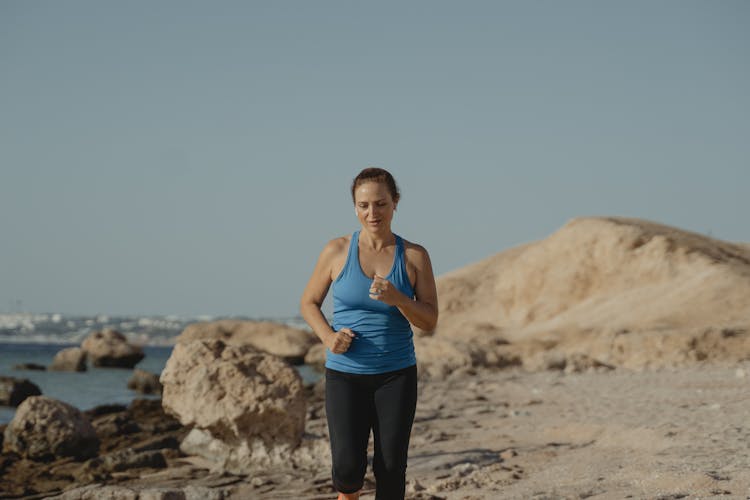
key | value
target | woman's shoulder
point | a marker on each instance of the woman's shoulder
(337, 245)
(414, 251)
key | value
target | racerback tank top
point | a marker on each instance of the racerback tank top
(384, 340)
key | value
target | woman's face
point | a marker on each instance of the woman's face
(374, 206)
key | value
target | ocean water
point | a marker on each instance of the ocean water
(83, 390)
(37, 338)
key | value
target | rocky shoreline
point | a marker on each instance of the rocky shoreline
(139, 450)
(131, 439)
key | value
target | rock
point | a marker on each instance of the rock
(193, 492)
(151, 416)
(104, 409)
(14, 390)
(319, 390)
(99, 492)
(127, 459)
(110, 348)
(141, 426)
(71, 359)
(161, 494)
(145, 382)
(437, 358)
(278, 339)
(557, 360)
(503, 356)
(124, 432)
(580, 362)
(413, 486)
(187, 493)
(316, 357)
(29, 366)
(158, 443)
(546, 360)
(102, 492)
(115, 424)
(247, 407)
(45, 428)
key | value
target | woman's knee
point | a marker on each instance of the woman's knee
(348, 477)
(390, 481)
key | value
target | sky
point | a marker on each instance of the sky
(190, 158)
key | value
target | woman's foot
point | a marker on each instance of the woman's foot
(349, 496)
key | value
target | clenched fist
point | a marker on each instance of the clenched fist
(383, 290)
(339, 342)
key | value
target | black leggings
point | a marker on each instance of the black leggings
(385, 403)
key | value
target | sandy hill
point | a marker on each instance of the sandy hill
(611, 287)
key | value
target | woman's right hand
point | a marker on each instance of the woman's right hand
(339, 342)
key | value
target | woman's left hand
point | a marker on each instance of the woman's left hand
(383, 290)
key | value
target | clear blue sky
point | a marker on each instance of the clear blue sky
(179, 157)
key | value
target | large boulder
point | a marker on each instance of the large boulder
(110, 348)
(247, 408)
(278, 339)
(144, 382)
(44, 428)
(13, 391)
(71, 359)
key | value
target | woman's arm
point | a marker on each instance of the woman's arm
(312, 300)
(422, 310)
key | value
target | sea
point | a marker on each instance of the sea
(36, 338)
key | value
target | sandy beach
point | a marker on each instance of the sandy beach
(619, 434)
(616, 434)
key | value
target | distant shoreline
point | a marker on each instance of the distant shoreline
(61, 329)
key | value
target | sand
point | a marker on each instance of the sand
(511, 434)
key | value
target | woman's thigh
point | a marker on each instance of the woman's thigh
(395, 406)
(349, 409)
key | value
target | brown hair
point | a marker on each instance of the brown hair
(374, 174)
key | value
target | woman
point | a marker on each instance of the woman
(381, 284)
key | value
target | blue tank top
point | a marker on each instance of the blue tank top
(384, 340)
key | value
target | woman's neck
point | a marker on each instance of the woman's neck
(377, 241)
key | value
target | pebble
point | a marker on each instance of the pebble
(519, 413)
(413, 486)
(260, 481)
(464, 469)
